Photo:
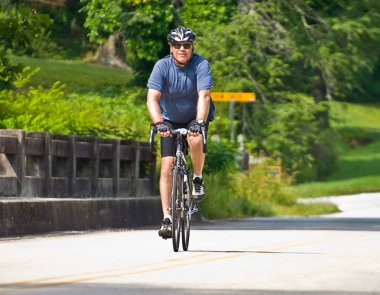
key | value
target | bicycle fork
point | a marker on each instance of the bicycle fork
(188, 201)
(188, 206)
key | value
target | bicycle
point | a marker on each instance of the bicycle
(183, 206)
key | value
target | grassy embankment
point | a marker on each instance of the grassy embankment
(76, 75)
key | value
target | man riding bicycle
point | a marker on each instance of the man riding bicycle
(179, 97)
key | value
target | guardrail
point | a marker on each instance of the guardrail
(40, 164)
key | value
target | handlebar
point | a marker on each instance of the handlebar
(182, 131)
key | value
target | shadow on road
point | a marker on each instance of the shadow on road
(250, 252)
(97, 289)
(293, 223)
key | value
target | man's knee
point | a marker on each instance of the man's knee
(195, 142)
(166, 166)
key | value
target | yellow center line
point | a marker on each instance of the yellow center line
(119, 272)
(27, 282)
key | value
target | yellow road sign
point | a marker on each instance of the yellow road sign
(235, 96)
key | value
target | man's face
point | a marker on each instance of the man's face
(182, 52)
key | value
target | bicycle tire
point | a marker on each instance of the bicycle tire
(175, 205)
(185, 224)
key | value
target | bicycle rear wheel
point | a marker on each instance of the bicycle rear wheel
(176, 208)
(186, 218)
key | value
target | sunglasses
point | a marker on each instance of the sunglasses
(185, 45)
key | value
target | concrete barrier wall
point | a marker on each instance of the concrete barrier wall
(52, 183)
(39, 164)
(30, 216)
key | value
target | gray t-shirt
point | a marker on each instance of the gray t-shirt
(179, 87)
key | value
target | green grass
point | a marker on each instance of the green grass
(337, 188)
(78, 76)
(359, 160)
(301, 209)
(350, 115)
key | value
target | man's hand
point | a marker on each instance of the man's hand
(162, 129)
(196, 128)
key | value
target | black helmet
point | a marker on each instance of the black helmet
(181, 34)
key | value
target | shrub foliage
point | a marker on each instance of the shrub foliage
(59, 112)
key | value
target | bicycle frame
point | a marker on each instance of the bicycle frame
(182, 203)
(181, 165)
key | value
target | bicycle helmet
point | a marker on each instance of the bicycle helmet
(181, 34)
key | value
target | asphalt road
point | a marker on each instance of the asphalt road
(365, 205)
(319, 255)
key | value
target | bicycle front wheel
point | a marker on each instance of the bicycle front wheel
(186, 218)
(176, 208)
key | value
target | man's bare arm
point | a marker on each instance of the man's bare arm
(203, 106)
(152, 103)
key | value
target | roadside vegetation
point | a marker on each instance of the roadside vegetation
(119, 112)
(358, 168)
(315, 116)
(77, 76)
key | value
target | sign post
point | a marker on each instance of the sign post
(232, 116)
(233, 97)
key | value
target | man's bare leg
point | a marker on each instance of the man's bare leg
(166, 183)
(196, 153)
(197, 159)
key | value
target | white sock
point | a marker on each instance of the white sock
(200, 176)
(168, 216)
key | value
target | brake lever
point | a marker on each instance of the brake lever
(151, 137)
(204, 139)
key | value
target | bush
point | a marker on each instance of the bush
(260, 188)
(291, 131)
(220, 201)
(256, 192)
(219, 157)
(58, 112)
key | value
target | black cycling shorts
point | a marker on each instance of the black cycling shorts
(168, 143)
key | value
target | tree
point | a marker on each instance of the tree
(144, 25)
(140, 26)
(278, 44)
(205, 15)
(103, 23)
(280, 48)
(21, 30)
